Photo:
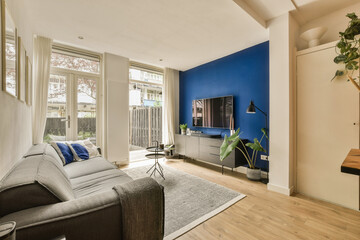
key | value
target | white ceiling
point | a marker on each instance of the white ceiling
(308, 10)
(184, 33)
(303, 10)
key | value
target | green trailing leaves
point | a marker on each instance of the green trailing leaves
(348, 47)
(352, 16)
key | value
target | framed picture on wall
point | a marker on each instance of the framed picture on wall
(9, 52)
(29, 84)
(22, 71)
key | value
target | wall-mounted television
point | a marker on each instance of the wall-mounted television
(212, 112)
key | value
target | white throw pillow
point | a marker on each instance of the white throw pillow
(90, 147)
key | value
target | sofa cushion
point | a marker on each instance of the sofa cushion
(44, 149)
(93, 165)
(80, 153)
(91, 149)
(63, 151)
(98, 182)
(39, 174)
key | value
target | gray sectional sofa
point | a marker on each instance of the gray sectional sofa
(81, 200)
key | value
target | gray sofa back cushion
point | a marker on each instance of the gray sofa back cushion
(34, 175)
(44, 149)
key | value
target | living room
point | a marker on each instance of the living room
(118, 114)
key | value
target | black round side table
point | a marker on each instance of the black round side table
(156, 154)
(8, 231)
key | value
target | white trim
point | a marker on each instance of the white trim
(280, 189)
(202, 219)
(317, 48)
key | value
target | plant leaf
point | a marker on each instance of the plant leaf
(340, 58)
(227, 148)
(256, 146)
(236, 134)
(352, 15)
(338, 74)
(264, 131)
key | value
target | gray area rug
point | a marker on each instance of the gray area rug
(189, 200)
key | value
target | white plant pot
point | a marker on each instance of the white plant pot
(183, 131)
(253, 174)
(313, 35)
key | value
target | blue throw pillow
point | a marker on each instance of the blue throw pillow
(80, 151)
(66, 152)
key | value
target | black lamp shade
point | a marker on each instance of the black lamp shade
(251, 108)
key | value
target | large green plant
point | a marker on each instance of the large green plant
(347, 50)
(230, 143)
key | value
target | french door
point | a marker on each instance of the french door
(72, 107)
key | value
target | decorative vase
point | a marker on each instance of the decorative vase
(183, 131)
(313, 35)
(253, 174)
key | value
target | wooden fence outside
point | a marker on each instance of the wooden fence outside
(54, 126)
(145, 126)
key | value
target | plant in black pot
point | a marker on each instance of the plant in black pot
(232, 142)
(347, 50)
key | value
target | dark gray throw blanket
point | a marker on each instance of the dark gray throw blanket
(142, 206)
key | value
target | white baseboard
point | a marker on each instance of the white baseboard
(280, 189)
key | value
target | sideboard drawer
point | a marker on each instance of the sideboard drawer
(211, 142)
(210, 157)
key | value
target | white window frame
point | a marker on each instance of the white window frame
(72, 84)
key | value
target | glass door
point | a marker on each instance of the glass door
(71, 113)
(86, 108)
(58, 120)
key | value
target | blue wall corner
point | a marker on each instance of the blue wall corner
(245, 76)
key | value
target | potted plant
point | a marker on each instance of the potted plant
(183, 128)
(347, 50)
(230, 143)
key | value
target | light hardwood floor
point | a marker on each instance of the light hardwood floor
(267, 215)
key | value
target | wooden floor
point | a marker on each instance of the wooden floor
(267, 215)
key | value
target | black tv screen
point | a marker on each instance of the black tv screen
(212, 112)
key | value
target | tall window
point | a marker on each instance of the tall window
(72, 96)
(145, 105)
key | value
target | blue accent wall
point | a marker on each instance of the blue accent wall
(245, 76)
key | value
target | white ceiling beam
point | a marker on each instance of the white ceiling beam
(251, 12)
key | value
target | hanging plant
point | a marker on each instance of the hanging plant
(347, 50)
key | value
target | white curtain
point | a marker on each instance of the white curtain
(171, 76)
(41, 75)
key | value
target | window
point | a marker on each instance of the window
(145, 105)
(10, 66)
(72, 97)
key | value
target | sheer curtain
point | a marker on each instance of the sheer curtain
(41, 75)
(170, 77)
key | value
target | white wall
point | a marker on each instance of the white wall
(116, 80)
(335, 22)
(15, 118)
(281, 104)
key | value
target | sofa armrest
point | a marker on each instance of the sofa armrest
(142, 206)
(92, 217)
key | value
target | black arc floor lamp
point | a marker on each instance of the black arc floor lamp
(252, 109)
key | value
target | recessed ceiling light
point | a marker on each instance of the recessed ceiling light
(80, 37)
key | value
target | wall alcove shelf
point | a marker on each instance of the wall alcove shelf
(351, 165)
